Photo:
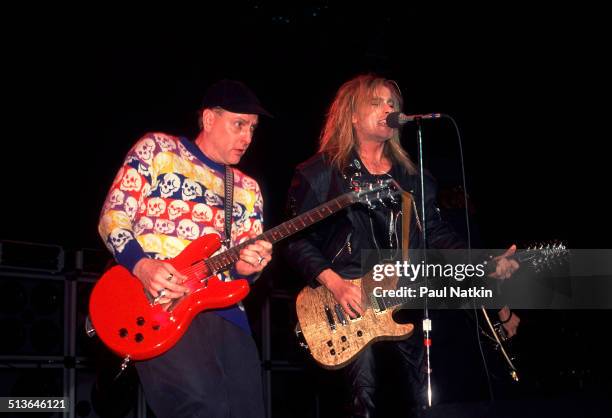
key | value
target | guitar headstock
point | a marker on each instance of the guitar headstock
(382, 192)
(545, 255)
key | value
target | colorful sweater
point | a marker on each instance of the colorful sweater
(167, 194)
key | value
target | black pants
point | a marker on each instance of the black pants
(397, 369)
(213, 371)
(386, 377)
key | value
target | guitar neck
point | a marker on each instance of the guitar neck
(226, 259)
(536, 257)
(392, 302)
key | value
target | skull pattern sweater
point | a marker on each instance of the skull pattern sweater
(167, 194)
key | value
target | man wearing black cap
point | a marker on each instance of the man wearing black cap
(169, 192)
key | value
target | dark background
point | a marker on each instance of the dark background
(527, 86)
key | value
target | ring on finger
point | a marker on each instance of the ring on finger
(160, 295)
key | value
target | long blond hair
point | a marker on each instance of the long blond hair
(338, 137)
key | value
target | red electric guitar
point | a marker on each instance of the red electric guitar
(133, 325)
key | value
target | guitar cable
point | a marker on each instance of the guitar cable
(469, 248)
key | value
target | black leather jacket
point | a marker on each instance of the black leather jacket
(336, 242)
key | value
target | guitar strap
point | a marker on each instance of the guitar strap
(406, 217)
(228, 205)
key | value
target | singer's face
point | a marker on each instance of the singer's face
(229, 135)
(369, 121)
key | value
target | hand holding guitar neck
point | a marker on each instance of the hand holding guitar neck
(254, 257)
(505, 265)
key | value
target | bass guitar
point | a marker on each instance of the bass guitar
(334, 339)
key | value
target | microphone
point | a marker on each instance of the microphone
(397, 119)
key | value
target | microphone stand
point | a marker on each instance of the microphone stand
(426, 319)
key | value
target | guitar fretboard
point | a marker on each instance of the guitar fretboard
(537, 257)
(223, 261)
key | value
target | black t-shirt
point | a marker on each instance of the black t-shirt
(384, 221)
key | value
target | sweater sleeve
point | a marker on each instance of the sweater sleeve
(124, 199)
